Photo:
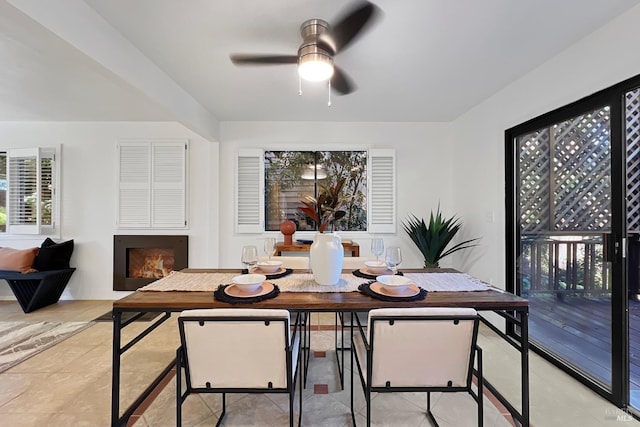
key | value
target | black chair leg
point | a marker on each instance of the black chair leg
(353, 367)
(306, 346)
(300, 403)
(480, 388)
(179, 387)
(224, 409)
(291, 397)
(367, 398)
(430, 416)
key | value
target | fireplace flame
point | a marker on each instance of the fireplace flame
(151, 265)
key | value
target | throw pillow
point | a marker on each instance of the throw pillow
(17, 259)
(53, 256)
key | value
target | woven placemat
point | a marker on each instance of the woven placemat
(220, 295)
(286, 272)
(365, 288)
(359, 273)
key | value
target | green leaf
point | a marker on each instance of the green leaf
(432, 240)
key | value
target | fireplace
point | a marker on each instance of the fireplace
(140, 260)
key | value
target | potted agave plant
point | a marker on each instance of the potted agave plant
(432, 239)
(326, 254)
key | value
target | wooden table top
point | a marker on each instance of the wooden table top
(319, 301)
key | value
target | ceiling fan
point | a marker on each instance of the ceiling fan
(320, 43)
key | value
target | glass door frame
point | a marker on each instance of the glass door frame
(616, 251)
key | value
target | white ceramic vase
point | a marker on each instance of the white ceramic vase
(326, 256)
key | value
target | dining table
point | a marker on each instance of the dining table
(169, 300)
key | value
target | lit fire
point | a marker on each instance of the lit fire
(151, 264)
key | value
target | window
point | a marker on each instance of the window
(28, 196)
(271, 185)
(293, 176)
(152, 182)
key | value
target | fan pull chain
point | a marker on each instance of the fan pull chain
(329, 103)
(299, 85)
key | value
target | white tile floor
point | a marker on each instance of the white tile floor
(70, 385)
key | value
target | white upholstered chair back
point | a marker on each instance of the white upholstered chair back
(425, 352)
(224, 348)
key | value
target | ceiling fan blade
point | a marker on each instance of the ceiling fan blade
(342, 83)
(242, 59)
(347, 30)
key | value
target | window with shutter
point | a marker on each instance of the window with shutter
(250, 191)
(285, 176)
(152, 184)
(382, 191)
(31, 196)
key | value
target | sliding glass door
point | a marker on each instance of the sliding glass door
(567, 238)
(632, 140)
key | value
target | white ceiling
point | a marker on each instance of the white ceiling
(425, 60)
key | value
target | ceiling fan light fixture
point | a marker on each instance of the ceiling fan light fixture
(314, 65)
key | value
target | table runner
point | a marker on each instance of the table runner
(303, 282)
(447, 282)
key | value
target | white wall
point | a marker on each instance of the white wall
(459, 164)
(89, 195)
(602, 59)
(424, 160)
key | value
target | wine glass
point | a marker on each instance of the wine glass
(393, 258)
(249, 257)
(269, 246)
(377, 247)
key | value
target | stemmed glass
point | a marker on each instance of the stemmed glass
(249, 257)
(269, 246)
(393, 258)
(377, 247)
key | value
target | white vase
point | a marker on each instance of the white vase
(326, 256)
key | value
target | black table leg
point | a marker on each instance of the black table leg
(115, 368)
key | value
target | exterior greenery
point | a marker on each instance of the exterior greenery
(24, 202)
(293, 178)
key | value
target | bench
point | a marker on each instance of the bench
(39, 289)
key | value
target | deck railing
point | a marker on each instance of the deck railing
(563, 265)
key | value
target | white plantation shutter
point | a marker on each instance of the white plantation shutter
(250, 191)
(382, 191)
(169, 185)
(32, 199)
(134, 177)
(152, 184)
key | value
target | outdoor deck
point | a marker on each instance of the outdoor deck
(579, 329)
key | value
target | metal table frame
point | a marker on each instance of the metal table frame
(513, 309)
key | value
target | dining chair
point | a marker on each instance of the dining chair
(430, 349)
(237, 351)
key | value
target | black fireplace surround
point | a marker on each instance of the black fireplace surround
(170, 252)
